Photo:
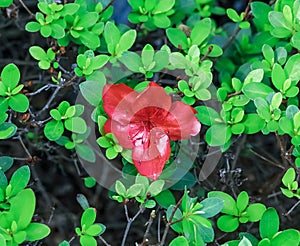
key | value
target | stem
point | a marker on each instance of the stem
(131, 220)
(106, 7)
(292, 208)
(26, 8)
(104, 241)
(168, 225)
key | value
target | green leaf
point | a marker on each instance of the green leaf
(286, 238)
(295, 40)
(23, 206)
(136, 4)
(218, 134)
(112, 36)
(126, 41)
(134, 190)
(85, 152)
(292, 67)
(19, 103)
(233, 15)
(38, 53)
(36, 231)
(132, 61)
(269, 224)
(99, 61)
(32, 26)
(92, 91)
(19, 180)
(255, 211)
(278, 76)
(89, 182)
(147, 55)
(162, 6)
(179, 241)
(90, 40)
(94, 230)
(2, 239)
(277, 20)
(88, 19)
(88, 217)
(5, 163)
(7, 130)
(201, 31)
(254, 76)
(161, 21)
(54, 130)
(111, 153)
(229, 203)
(3, 180)
(177, 38)
(87, 241)
(289, 177)
(211, 206)
(253, 123)
(6, 3)
(165, 198)
(242, 201)
(10, 76)
(64, 243)
(120, 188)
(254, 90)
(155, 187)
(228, 223)
(76, 124)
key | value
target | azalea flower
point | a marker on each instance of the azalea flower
(146, 122)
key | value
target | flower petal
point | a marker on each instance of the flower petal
(154, 96)
(121, 132)
(117, 101)
(150, 160)
(180, 123)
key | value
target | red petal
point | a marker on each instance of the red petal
(121, 132)
(117, 102)
(180, 123)
(150, 161)
(153, 96)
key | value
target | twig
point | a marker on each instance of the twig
(168, 225)
(131, 220)
(106, 7)
(149, 224)
(26, 8)
(292, 208)
(103, 241)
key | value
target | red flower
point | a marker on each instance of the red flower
(146, 122)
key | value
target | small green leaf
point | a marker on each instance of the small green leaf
(269, 223)
(179, 241)
(228, 223)
(233, 15)
(134, 190)
(19, 103)
(19, 180)
(254, 90)
(289, 177)
(120, 188)
(88, 217)
(255, 211)
(5, 163)
(85, 152)
(229, 203)
(126, 41)
(211, 206)
(177, 38)
(286, 238)
(54, 130)
(201, 31)
(218, 134)
(23, 205)
(36, 231)
(155, 187)
(242, 201)
(10, 76)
